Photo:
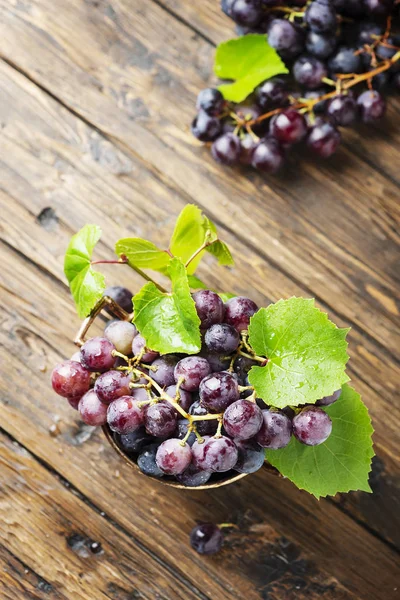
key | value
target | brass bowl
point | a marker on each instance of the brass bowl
(209, 486)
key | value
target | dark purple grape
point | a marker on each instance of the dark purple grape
(380, 81)
(218, 391)
(111, 385)
(185, 397)
(206, 538)
(238, 311)
(250, 456)
(210, 101)
(125, 415)
(379, 8)
(70, 379)
(209, 307)
(247, 13)
(138, 345)
(367, 31)
(147, 462)
(172, 457)
(226, 6)
(121, 296)
(97, 354)
(140, 393)
(181, 432)
(133, 442)
(221, 338)
(384, 52)
(242, 420)
(273, 93)
(191, 370)
(288, 127)
(160, 419)
(206, 128)
(286, 38)
(320, 16)
(217, 454)
(194, 477)
(74, 401)
(92, 410)
(76, 357)
(321, 45)
(121, 334)
(318, 107)
(312, 426)
(276, 430)
(372, 106)
(351, 8)
(309, 72)
(248, 144)
(226, 149)
(164, 373)
(217, 363)
(327, 400)
(204, 428)
(345, 61)
(269, 156)
(342, 109)
(323, 139)
(242, 366)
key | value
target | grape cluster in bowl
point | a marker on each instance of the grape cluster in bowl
(187, 418)
(342, 55)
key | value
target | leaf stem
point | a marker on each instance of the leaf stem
(204, 245)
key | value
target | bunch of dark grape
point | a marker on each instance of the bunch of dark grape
(342, 55)
(189, 418)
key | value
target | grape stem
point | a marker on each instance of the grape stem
(345, 81)
(204, 245)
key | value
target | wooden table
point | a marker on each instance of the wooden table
(96, 100)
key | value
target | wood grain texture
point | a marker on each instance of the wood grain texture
(94, 128)
(131, 64)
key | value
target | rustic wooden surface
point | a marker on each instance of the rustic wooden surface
(96, 97)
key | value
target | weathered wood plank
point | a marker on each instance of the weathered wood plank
(18, 581)
(28, 418)
(76, 162)
(137, 75)
(62, 528)
(51, 531)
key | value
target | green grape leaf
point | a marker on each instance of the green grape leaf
(343, 462)
(168, 321)
(191, 231)
(195, 283)
(306, 353)
(142, 254)
(221, 252)
(188, 236)
(225, 296)
(86, 285)
(248, 60)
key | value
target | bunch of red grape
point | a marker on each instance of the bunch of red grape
(341, 54)
(184, 417)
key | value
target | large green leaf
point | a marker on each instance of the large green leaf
(306, 353)
(340, 464)
(87, 286)
(169, 322)
(142, 253)
(188, 236)
(248, 60)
